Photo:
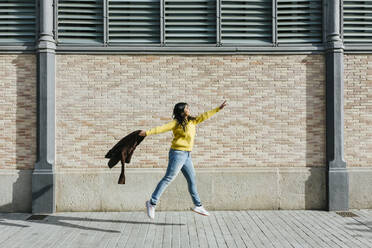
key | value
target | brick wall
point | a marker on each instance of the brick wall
(358, 110)
(18, 111)
(275, 114)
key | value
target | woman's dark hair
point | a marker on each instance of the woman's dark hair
(178, 110)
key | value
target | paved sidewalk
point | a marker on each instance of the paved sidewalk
(188, 229)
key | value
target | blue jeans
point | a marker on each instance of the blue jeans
(178, 160)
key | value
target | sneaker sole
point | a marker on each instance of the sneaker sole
(198, 212)
(147, 210)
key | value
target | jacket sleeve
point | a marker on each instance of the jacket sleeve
(206, 115)
(162, 129)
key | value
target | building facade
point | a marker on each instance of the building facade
(77, 76)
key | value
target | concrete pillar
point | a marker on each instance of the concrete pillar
(338, 180)
(43, 178)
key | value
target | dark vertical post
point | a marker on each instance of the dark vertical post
(338, 180)
(43, 178)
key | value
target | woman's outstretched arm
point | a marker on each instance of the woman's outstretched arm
(209, 114)
(160, 129)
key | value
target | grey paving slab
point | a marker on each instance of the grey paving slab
(150, 235)
(323, 230)
(176, 235)
(351, 228)
(248, 229)
(337, 231)
(211, 239)
(159, 230)
(277, 238)
(245, 236)
(308, 241)
(200, 230)
(259, 228)
(287, 229)
(167, 235)
(233, 230)
(225, 230)
(313, 230)
(11, 224)
(127, 233)
(291, 237)
(112, 223)
(184, 232)
(191, 224)
(122, 225)
(217, 231)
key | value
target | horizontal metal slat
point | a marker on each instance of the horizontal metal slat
(246, 1)
(189, 35)
(81, 28)
(131, 1)
(246, 29)
(189, 12)
(133, 41)
(241, 35)
(228, 23)
(245, 12)
(298, 34)
(133, 24)
(132, 12)
(305, 40)
(358, 34)
(79, 40)
(11, 40)
(80, 34)
(127, 35)
(296, 1)
(295, 28)
(15, 17)
(23, 33)
(246, 42)
(77, 5)
(17, 27)
(189, 41)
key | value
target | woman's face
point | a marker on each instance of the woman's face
(187, 110)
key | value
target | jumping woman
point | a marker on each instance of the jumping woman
(183, 127)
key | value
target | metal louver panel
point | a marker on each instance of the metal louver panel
(134, 21)
(191, 21)
(17, 21)
(357, 21)
(80, 21)
(299, 21)
(246, 22)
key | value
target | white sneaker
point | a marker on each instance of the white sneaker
(200, 210)
(150, 210)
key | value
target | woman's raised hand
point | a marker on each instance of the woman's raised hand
(142, 133)
(223, 105)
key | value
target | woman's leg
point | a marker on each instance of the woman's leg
(189, 172)
(176, 160)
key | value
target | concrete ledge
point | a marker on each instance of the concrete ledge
(360, 191)
(15, 194)
(219, 189)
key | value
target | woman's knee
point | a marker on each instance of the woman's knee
(168, 179)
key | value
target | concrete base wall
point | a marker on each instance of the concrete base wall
(360, 191)
(16, 195)
(219, 189)
(246, 188)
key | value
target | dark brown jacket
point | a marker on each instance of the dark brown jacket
(123, 151)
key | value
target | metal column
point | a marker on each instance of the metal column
(338, 178)
(43, 177)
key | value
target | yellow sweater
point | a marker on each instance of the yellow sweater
(183, 140)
